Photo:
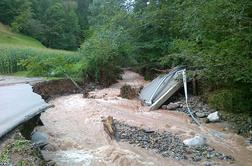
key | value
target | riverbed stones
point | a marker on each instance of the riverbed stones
(195, 141)
(213, 117)
(165, 143)
(198, 108)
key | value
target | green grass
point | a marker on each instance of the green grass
(14, 39)
(20, 152)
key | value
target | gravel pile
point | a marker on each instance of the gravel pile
(197, 107)
(166, 144)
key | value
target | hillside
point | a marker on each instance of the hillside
(27, 56)
(13, 39)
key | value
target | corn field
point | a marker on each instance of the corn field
(11, 58)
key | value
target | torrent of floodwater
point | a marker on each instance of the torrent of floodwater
(77, 136)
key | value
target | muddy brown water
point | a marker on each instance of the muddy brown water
(77, 136)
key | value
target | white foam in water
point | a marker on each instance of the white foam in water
(79, 157)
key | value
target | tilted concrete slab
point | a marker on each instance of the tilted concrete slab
(18, 103)
(162, 88)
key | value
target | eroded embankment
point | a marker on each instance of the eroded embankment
(52, 88)
(77, 136)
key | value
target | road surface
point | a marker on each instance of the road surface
(18, 103)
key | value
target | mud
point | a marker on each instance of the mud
(52, 88)
(76, 131)
(129, 93)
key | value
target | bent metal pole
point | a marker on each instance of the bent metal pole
(186, 97)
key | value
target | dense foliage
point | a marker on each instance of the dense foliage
(107, 48)
(56, 23)
(213, 37)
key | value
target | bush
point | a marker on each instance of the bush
(231, 100)
(102, 58)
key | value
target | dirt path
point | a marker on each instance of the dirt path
(77, 135)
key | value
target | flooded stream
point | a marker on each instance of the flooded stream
(77, 137)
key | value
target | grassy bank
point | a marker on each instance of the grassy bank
(14, 39)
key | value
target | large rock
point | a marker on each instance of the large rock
(39, 139)
(173, 106)
(164, 107)
(213, 117)
(201, 114)
(195, 141)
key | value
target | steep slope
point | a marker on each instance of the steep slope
(14, 39)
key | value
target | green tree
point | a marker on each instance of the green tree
(72, 34)
(55, 19)
(56, 23)
(20, 21)
(83, 13)
(9, 9)
(108, 48)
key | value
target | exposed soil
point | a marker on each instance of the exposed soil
(52, 88)
(77, 135)
(127, 92)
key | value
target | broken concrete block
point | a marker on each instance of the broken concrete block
(213, 117)
(195, 141)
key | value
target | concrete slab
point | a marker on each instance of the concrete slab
(162, 88)
(18, 104)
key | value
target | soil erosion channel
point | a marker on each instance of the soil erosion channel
(77, 136)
